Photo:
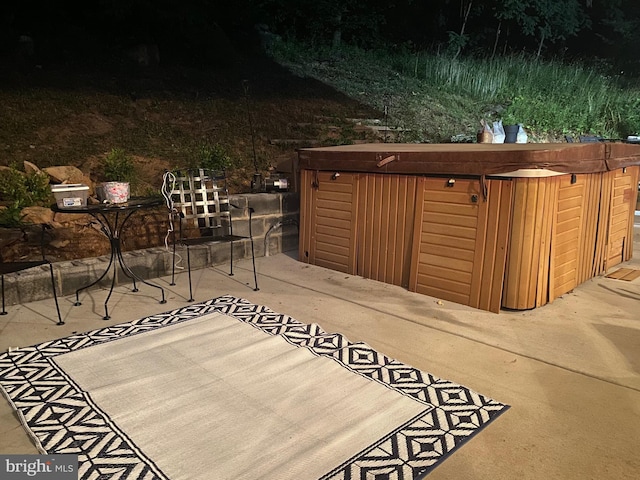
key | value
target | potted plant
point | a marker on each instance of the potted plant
(119, 172)
(511, 128)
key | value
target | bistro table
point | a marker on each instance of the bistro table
(112, 218)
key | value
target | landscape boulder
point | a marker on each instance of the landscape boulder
(68, 174)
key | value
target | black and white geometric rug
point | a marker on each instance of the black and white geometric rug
(229, 389)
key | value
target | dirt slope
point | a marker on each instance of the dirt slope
(56, 115)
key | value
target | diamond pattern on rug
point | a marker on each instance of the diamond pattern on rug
(63, 419)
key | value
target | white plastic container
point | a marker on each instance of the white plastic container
(70, 194)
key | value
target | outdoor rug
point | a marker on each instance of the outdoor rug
(226, 389)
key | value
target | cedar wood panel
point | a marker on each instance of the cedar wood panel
(327, 217)
(416, 232)
(566, 230)
(386, 209)
(623, 200)
(359, 224)
(460, 241)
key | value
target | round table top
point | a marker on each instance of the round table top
(131, 204)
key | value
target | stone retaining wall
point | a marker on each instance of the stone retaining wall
(274, 228)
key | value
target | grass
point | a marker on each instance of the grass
(166, 117)
(438, 97)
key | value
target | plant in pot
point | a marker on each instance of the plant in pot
(511, 128)
(119, 173)
(210, 157)
(213, 157)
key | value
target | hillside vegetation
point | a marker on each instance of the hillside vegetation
(440, 98)
(258, 111)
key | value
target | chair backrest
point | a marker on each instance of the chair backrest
(201, 196)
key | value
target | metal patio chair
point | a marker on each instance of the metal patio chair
(26, 234)
(199, 199)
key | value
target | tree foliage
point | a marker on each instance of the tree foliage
(545, 20)
(549, 28)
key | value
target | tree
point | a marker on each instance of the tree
(328, 22)
(545, 20)
(619, 32)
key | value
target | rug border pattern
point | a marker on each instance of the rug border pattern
(61, 418)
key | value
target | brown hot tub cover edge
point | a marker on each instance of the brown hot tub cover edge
(470, 159)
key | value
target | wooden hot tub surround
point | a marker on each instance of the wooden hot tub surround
(490, 226)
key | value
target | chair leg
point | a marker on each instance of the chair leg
(55, 295)
(189, 274)
(4, 312)
(173, 261)
(253, 255)
(231, 242)
(53, 288)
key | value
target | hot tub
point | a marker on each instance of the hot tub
(490, 226)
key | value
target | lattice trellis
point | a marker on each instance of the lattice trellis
(202, 196)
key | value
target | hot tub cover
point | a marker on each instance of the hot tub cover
(472, 158)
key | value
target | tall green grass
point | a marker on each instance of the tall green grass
(547, 97)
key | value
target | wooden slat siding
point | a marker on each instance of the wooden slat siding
(585, 254)
(548, 199)
(333, 213)
(491, 247)
(480, 218)
(418, 235)
(385, 227)
(618, 220)
(367, 220)
(589, 217)
(536, 241)
(623, 199)
(403, 204)
(523, 263)
(533, 252)
(626, 274)
(567, 235)
(602, 234)
(604, 217)
(552, 213)
(404, 237)
(445, 239)
(306, 215)
(634, 173)
(365, 226)
(512, 274)
(391, 245)
(379, 232)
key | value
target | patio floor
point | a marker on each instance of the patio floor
(570, 370)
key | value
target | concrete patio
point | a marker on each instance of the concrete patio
(570, 370)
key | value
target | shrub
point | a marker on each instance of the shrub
(119, 166)
(11, 216)
(24, 189)
(19, 190)
(213, 157)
